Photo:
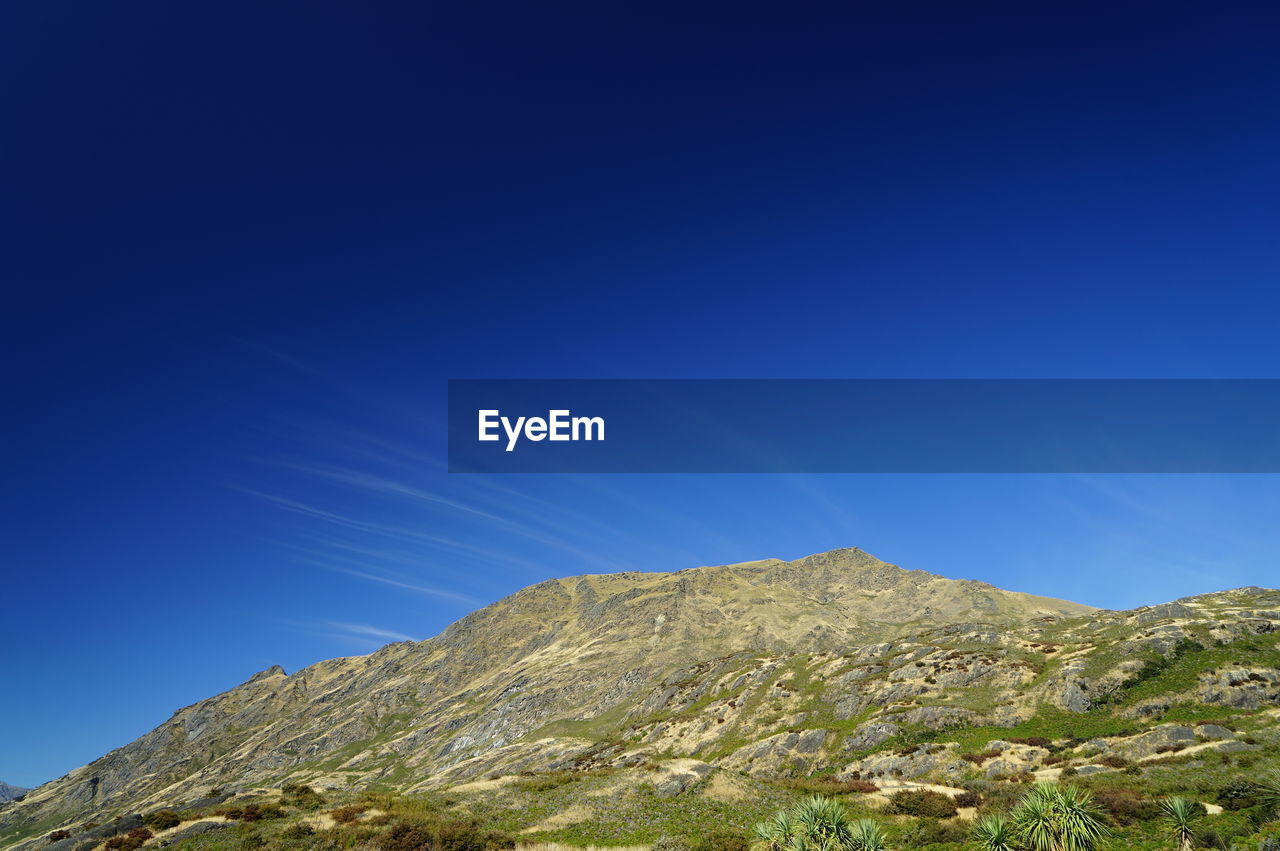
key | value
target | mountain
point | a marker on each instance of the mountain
(9, 792)
(837, 662)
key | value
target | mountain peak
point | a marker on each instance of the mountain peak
(563, 651)
(9, 792)
(269, 673)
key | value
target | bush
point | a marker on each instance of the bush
(1034, 741)
(1127, 806)
(302, 796)
(129, 841)
(670, 843)
(928, 833)
(442, 836)
(346, 815)
(59, 835)
(251, 812)
(831, 786)
(545, 782)
(721, 839)
(162, 820)
(1226, 829)
(968, 798)
(1113, 761)
(921, 802)
(1238, 795)
(297, 832)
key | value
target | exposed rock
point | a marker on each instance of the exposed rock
(916, 762)
(1149, 743)
(1240, 688)
(1213, 731)
(9, 792)
(198, 829)
(779, 755)
(870, 734)
(940, 717)
(1151, 614)
(686, 775)
(1014, 759)
(1086, 770)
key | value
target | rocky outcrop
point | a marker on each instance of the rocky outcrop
(919, 761)
(781, 755)
(1240, 687)
(1164, 738)
(1015, 759)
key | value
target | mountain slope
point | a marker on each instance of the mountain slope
(9, 792)
(766, 667)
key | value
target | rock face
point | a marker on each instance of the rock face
(11, 793)
(834, 662)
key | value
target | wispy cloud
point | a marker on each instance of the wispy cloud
(384, 486)
(390, 581)
(395, 532)
(364, 630)
(362, 636)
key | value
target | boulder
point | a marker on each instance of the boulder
(685, 775)
(1154, 741)
(870, 735)
(1213, 732)
(909, 763)
(198, 829)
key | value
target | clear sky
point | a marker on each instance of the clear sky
(242, 246)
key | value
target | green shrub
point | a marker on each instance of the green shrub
(830, 786)
(1033, 741)
(442, 836)
(129, 841)
(720, 839)
(921, 802)
(297, 832)
(251, 812)
(302, 796)
(1127, 806)
(1238, 795)
(162, 819)
(670, 843)
(927, 833)
(545, 782)
(346, 815)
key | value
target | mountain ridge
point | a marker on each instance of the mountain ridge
(714, 663)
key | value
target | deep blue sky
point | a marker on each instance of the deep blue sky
(242, 246)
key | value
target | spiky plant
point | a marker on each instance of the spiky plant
(1179, 816)
(867, 836)
(1269, 793)
(776, 834)
(824, 824)
(993, 833)
(818, 824)
(1058, 818)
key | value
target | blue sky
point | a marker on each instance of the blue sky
(244, 246)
